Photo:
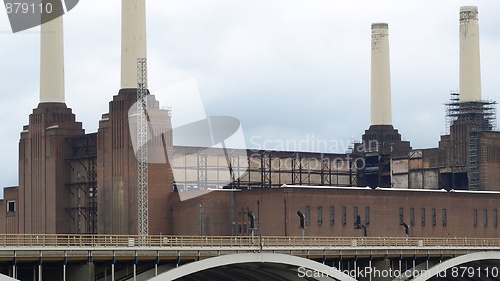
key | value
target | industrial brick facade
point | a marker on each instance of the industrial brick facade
(43, 171)
(117, 168)
(332, 211)
(98, 192)
(72, 182)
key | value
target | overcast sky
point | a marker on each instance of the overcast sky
(291, 70)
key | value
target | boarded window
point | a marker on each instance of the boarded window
(308, 216)
(320, 215)
(495, 218)
(332, 215)
(344, 215)
(355, 215)
(474, 217)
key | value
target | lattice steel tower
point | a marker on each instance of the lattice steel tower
(142, 148)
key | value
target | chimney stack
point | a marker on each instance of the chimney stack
(470, 72)
(133, 40)
(380, 76)
(52, 61)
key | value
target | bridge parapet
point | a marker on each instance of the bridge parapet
(162, 241)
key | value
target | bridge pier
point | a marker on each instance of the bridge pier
(358, 269)
(381, 270)
(81, 272)
(14, 271)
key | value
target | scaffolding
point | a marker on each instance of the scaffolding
(474, 160)
(201, 168)
(142, 148)
(471, 119)
(481, 115)
(83, 164)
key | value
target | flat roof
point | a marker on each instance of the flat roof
(388, 189)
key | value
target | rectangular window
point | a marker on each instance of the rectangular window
(412, 216)
(433, 217)
(11, 206)
(355, 215)
(367, 215)
(401, 216)
(423, 216)
(308, 216)
(344, 215)
(475, 217)
(320, 215)
(495, 218)
(332, 215)
(444, 218)
(485, 218)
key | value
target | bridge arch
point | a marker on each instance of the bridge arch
(457, 261)
(7, 278)
(289, 267)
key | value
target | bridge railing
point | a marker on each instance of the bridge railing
(70, 240)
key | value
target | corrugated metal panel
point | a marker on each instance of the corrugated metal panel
(400, 181)
(415, 164)
(416, 180)
(431, 179)
(400, 166)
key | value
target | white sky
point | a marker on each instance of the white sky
(296, 73)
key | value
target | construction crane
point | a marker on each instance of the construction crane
(142, 148)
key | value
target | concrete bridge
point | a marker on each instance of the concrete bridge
(115, 257)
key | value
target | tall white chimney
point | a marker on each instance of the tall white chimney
(52, 61)
(133, 40)
(381, 77)
(470, 72)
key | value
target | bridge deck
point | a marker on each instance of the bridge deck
(158, 247)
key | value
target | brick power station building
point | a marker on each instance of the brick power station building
(74, 182)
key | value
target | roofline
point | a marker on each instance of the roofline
(389, 189)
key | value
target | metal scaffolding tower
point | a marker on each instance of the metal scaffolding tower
(83, 185)
(469, 120)
(142, 148)
(474, 159)
(479, 114)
